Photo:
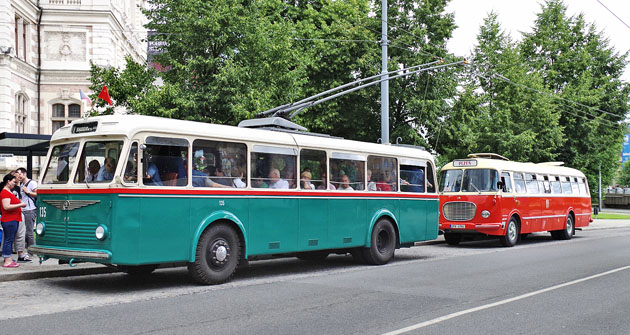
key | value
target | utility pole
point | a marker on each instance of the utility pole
(385, 82)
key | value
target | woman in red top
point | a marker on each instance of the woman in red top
(11, 210)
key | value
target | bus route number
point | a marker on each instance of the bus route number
(42, 212)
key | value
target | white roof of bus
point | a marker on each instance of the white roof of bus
(129, 125)
(549, 168)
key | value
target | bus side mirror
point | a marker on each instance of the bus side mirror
(143, 147)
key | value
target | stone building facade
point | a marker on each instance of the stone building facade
(45, 51)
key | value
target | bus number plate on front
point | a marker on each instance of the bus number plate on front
(458, 226)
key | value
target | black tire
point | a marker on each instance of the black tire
(138, 270)
(217, 255)
(453, 238)
(511, 233)
(383, 243)
(313, 256)
(567, 232)
(357, 255)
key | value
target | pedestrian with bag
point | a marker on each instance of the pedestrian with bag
(11, 210)
(28, 191)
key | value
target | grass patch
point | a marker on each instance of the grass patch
(605, 216)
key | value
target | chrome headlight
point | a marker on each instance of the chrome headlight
(40, 228)
(485, 214)
(101, 232)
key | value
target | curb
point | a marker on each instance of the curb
(27, 275)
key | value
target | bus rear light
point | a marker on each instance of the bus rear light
(101, 232)
(485, 214)
(40, 228)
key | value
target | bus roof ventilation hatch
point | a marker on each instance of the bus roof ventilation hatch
(488, 155)
(271, 122)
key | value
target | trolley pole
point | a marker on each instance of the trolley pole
(385, 82)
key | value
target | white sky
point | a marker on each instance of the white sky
(519, 16)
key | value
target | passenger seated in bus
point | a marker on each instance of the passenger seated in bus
(305, 179)
(345, 184)
(325, 182)
(152, 176)
(238, 179)
(371, 186)
(93, 168)
(383, 184)
(259, 183)
(131, 173)
(198, 177)
(275, 181)
(220, 178)
(107, 170)
(415, 182)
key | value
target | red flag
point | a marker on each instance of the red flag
(105, 95)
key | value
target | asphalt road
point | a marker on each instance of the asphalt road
(540, 286)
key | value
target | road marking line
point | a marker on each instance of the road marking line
(502, 302)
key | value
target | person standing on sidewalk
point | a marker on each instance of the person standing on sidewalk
(19, 242)
(11, 210)
(28, 190)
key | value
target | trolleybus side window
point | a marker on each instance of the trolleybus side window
(574, 185)
(313, 169)
(61, 163)
(556, 188)
(381, 174)
(519, 183)
(546, 184)
(131, 167)
(219, 164)
(480, 180)
(541, 186)
(566, 185)
(165, 161)
(412, 176)
(582, 186)
(105, 154)
(347, 171)
(507, 182)
(532, 183)
(451, 180)
(273, 167)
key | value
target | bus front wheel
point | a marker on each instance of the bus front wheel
(217, 255)
(383, 243)
(453, 238)
(511, 234)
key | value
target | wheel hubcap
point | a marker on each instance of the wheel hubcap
(219, 253)
(382, 240)
(569, 226)
(512, 231)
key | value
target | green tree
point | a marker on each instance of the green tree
(584, 72)
(624, 175)
(499, 109)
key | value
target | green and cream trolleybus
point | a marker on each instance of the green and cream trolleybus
(137, 191)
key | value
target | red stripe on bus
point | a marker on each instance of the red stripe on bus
(235, 192)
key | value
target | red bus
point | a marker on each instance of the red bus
(489, 195)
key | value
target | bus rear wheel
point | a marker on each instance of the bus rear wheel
(383, 243)
(217, 255)
(567, 232)
(511, 234)
(453, 238)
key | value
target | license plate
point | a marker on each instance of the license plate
(458, 226)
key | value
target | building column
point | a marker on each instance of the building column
(6, 41)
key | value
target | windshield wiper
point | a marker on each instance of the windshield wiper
(473, 185)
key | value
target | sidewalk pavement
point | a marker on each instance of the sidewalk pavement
(51, 267)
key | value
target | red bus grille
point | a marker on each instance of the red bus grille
(459, 211)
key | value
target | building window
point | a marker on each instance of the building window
(74, 111)
(59, 110)
(64, 114)
(21, 112)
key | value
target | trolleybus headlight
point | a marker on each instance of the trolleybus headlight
(40, 228)
(101, 232)
(485, 214)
